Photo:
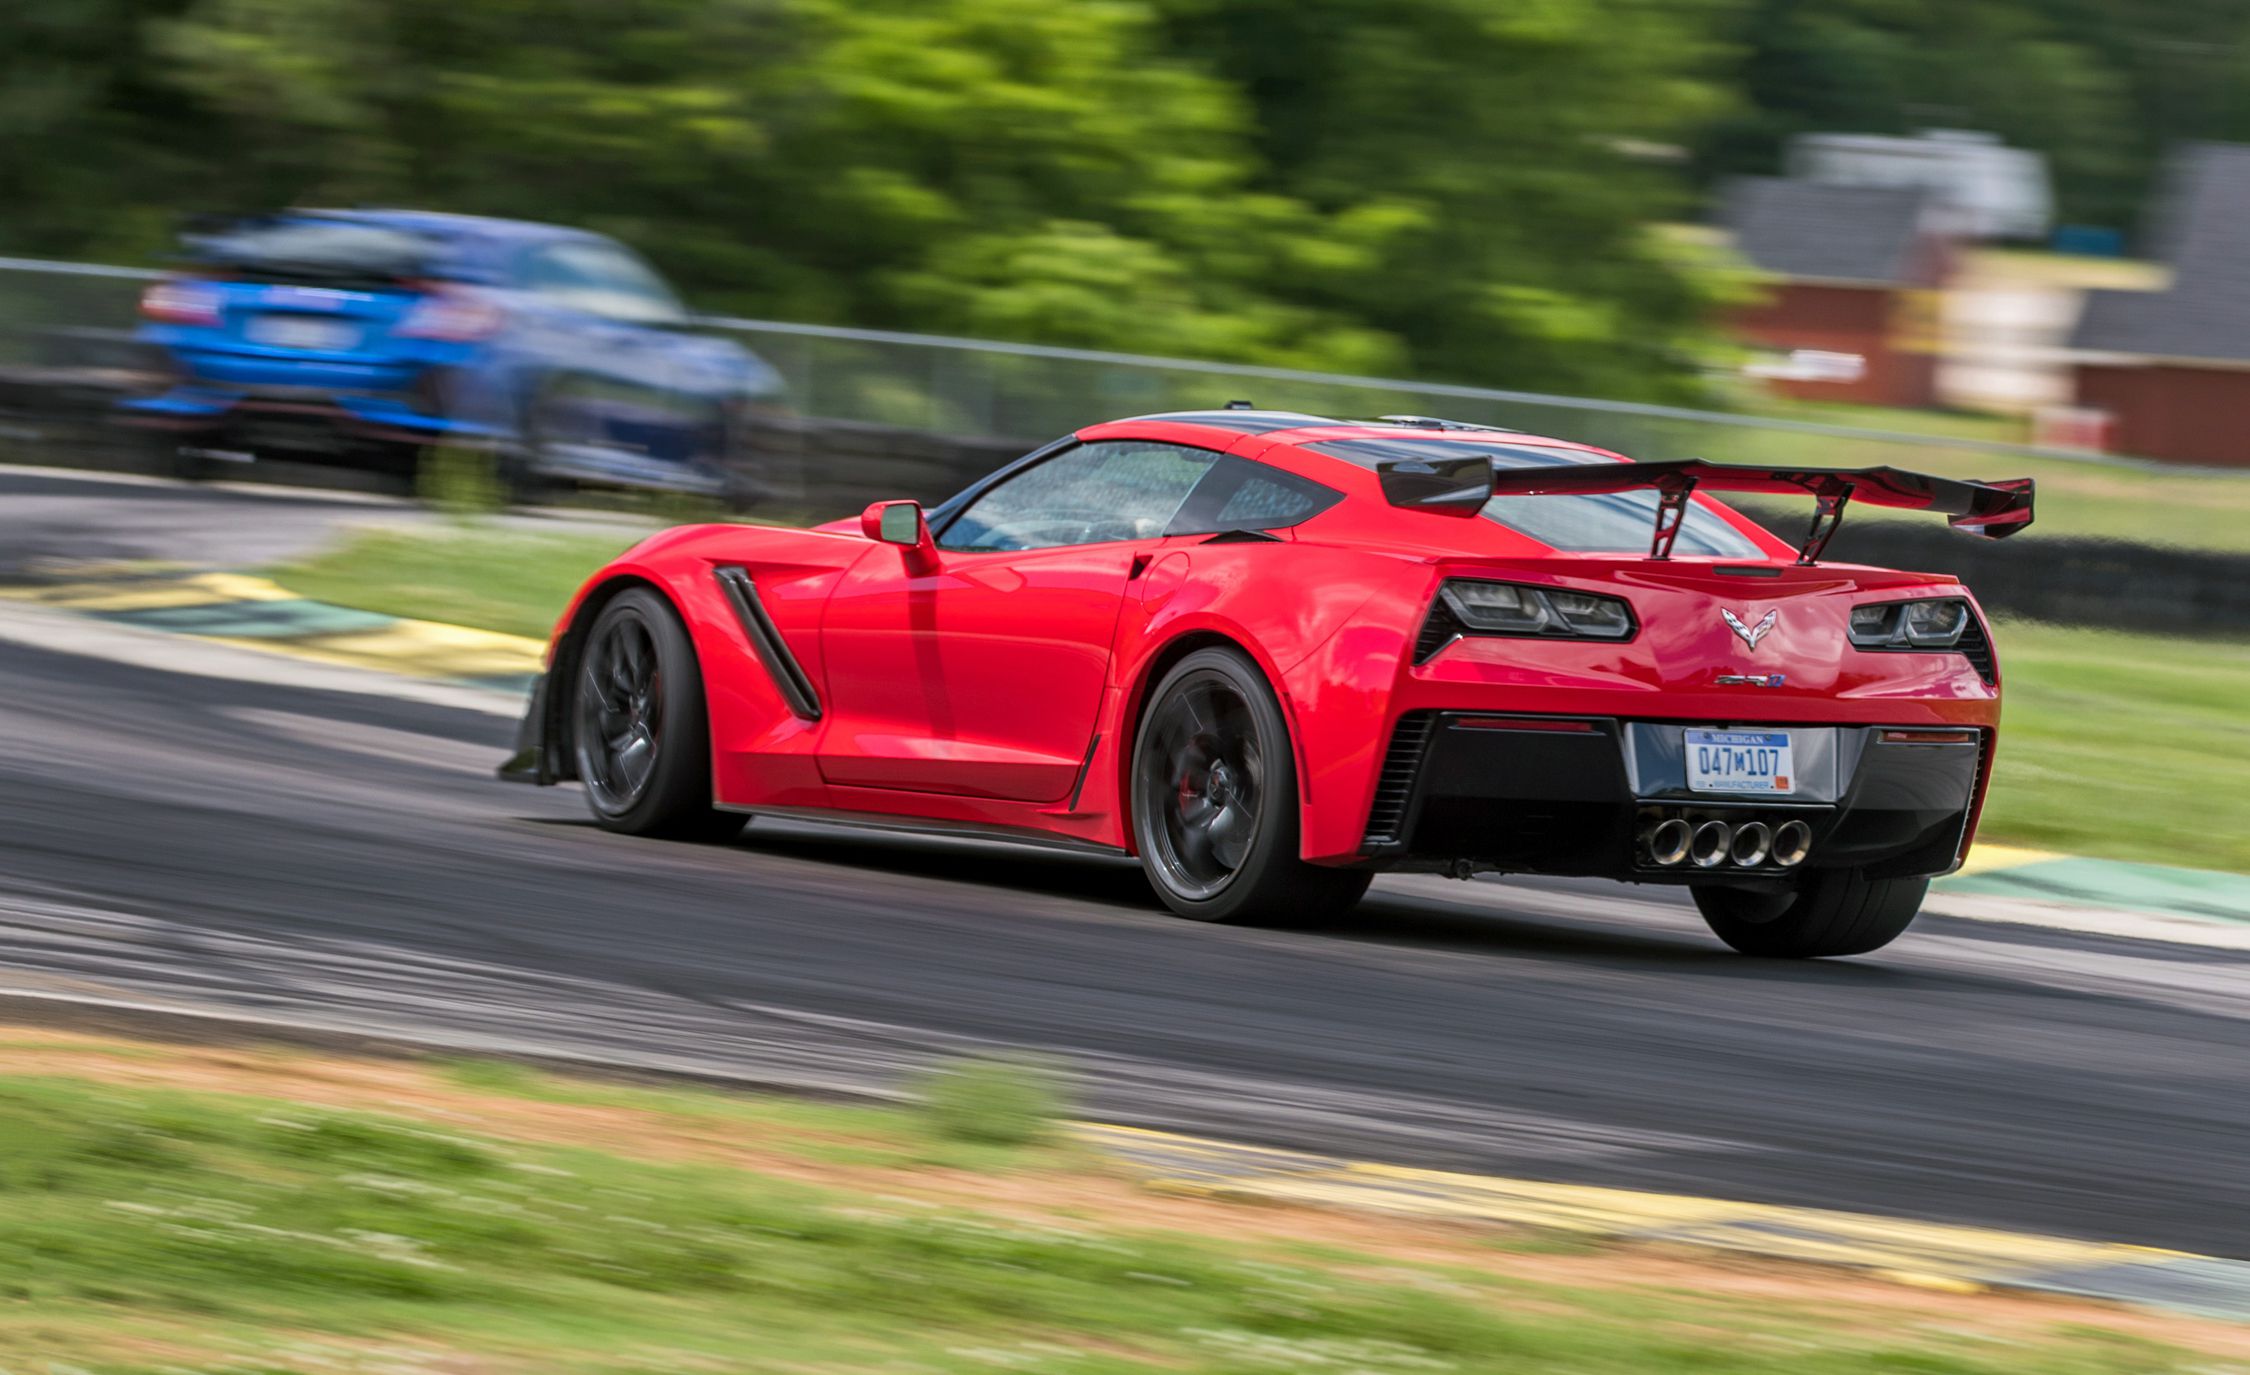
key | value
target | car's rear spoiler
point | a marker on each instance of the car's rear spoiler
(1461, 486)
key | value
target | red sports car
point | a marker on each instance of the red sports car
(1274, 654)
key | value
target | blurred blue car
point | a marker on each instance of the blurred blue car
(365, 337)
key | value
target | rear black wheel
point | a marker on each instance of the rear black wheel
(1828, 912)
(551, 431)
(640, 730)
(1214, 801)
(162, 453)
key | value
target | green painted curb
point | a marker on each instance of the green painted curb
(2117, 886)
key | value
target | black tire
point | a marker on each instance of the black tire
(1214, 801)
(401, 466)
(735, 458)
(162, 453)
(521, 484)
(640, 730)
(526, 479)
(1830, 912)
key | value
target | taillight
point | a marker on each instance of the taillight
(1929, 737)
(453, 315)
(181, 301)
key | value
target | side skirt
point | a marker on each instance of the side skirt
(925, 826)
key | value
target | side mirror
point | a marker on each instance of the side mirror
(900, 523)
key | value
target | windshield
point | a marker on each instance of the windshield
(330, 252)
(1601, 523)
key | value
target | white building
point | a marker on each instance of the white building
(1987, 189)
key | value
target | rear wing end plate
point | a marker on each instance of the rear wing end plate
(1461, 486)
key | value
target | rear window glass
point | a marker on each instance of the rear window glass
(1242, 495)
(1596, 523)
(327, 251)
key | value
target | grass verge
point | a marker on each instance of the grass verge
(2123, 747)
(470, 574)
(247, 1211)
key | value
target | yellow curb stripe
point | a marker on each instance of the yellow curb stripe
(1928, 1254)
(155, 594)
(1984, 859)
(423, 649)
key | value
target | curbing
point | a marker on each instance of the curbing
(2160, 890)
(1928, 1254)
(254, 613)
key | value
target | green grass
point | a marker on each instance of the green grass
(2124, 747)
(975, 1114)
(146, 1231)
(1970, 425)
(2115, 746)
(994, 1103)
(470, 575)
(2067, 271)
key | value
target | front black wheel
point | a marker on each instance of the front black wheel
(1214, 801)
(639, 728)
(1829, 912)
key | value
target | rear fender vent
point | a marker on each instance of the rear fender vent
(1976, 645)
(1439, 629)
(1984, 778)
(1394, 787)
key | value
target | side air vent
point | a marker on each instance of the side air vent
(1394, 789)
(1977, 646)
(788, 675)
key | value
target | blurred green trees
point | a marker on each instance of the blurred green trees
(1452, 189)
(1443, 187)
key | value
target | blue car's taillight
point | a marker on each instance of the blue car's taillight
(181, 301)
(452, 315)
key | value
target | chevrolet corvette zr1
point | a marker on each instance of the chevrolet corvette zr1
(1273, 654)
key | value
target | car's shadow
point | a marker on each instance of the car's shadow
(1478, 925)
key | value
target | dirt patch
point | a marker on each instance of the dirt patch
(1088, 1193)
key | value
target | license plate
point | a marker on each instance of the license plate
(304, 332)
(1740, 761)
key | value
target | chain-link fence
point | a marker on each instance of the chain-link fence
(1024, 391)
(56, 314)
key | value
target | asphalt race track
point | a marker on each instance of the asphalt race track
(347, 860)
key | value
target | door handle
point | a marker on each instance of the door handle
(1140, 565)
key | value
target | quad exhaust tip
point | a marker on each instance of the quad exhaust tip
(1713, 844)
